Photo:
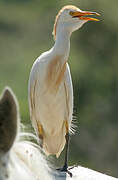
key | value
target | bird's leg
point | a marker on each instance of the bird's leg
(65, 167)
(67, 137)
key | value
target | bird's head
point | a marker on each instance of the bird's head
(72, 18)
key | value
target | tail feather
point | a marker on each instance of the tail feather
(54, 144)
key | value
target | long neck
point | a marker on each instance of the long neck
(62, 43)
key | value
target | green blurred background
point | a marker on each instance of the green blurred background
(25, 32)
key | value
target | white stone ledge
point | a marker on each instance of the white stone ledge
(81, 173)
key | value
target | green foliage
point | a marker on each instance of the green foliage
(25, 32)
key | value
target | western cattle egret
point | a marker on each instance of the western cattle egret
(50, 90)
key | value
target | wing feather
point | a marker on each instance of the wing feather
(31, 98)
(69, 94)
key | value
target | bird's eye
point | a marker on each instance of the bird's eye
(71, 13)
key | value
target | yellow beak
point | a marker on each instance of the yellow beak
(82, 15)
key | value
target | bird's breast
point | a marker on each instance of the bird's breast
(55, 73)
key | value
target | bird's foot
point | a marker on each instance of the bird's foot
(65, 169)
(71, 167)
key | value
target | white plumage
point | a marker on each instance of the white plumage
(51, 103)
(50, 85)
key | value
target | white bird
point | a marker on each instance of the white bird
(50, 90)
